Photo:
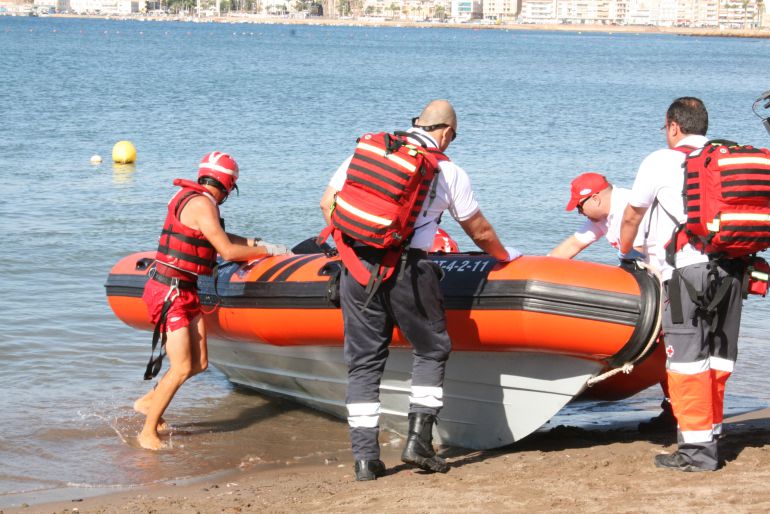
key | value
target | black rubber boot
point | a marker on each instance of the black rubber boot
(663, 421)
(369, 469)
(678, 461)
(419, 444)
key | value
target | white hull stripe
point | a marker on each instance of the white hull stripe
(362, 214)
(427, 396)
(689, 368)
(721, 364)
(697, 436)
(395, 158)
(734, 161)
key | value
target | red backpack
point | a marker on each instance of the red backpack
(386, 186)
(726, 199)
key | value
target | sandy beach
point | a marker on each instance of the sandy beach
(564, 469)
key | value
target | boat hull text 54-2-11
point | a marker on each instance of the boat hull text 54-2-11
(528, 336)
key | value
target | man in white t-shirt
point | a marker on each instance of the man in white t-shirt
(603, 205)
(410, 299)
(700, 325)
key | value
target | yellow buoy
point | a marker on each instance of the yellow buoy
(123, 152)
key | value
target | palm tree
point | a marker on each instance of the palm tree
(439, 12)
(745, 4)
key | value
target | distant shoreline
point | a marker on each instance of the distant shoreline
(363, 22)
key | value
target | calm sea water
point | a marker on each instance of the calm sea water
(535, 109)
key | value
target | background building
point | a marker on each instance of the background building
(723, 14)
(466, 10)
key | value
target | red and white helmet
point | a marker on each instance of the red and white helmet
(443, 242)
(221, 167)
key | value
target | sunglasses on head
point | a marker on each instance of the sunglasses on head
(431, 128)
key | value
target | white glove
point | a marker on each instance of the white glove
(513, 253)
(273, 249)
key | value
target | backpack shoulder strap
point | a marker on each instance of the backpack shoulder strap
(655, 204)
(720, 142)
(418, 137)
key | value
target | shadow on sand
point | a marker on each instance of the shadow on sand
(749, 430)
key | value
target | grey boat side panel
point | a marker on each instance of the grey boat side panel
(488, 402)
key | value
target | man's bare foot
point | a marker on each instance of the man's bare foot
(149, 441)
(142, 406)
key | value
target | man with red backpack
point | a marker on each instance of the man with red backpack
(192, 236)
(386, 284)
(703, 291)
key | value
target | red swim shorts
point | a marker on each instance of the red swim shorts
(184, 309)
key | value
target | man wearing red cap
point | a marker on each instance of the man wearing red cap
(603, 205)
(192, 236)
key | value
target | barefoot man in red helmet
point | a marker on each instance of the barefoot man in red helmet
(192, 236)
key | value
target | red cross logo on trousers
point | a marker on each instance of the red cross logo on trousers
(670, 351)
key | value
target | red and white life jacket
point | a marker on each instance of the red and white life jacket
(186, 253)
(387, 183)
(726, 199)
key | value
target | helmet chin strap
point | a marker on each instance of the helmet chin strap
(209, 181)
(227, 194)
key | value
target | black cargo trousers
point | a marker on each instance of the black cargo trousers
(411, 300)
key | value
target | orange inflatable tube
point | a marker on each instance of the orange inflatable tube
(534, 304)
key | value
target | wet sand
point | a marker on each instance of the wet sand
(559, 470)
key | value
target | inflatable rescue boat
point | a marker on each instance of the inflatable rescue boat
(528, 336)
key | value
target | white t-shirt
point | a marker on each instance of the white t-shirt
(661, 176)
(453, 193)
(591, 231)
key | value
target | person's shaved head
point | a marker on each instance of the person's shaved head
(438, 112)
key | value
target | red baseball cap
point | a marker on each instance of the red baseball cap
(584, 186)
